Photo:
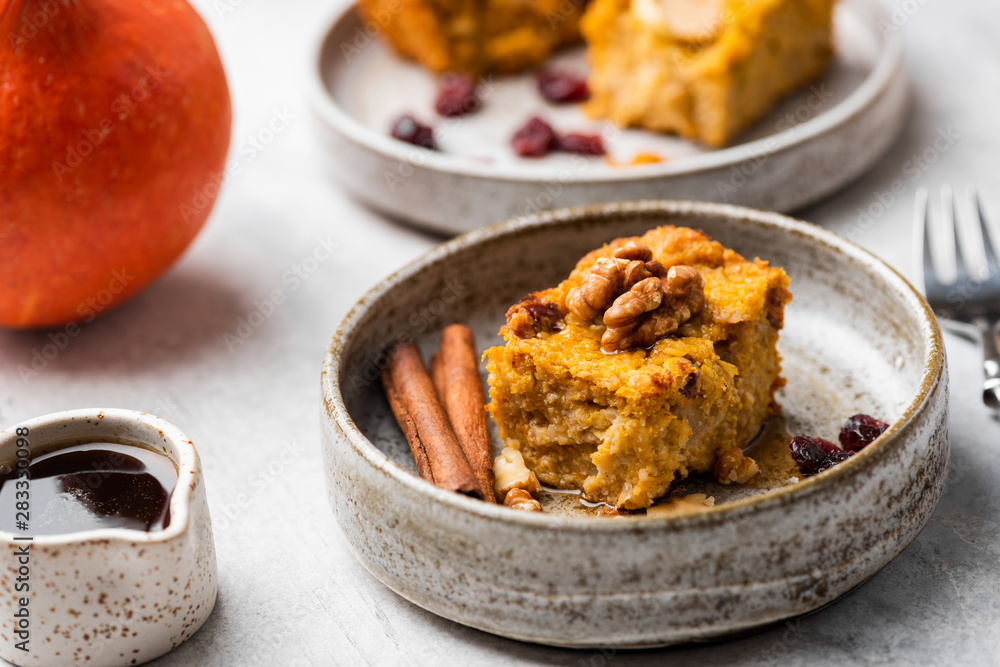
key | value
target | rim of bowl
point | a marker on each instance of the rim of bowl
(883, 74)
(933, 363)
(180, 498)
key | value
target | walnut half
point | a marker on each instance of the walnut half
(599, 286)
(645, 295)
(634, 250)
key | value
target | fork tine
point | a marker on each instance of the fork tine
(989, 242)
(923, 261)
(969, 218)
(957, 260)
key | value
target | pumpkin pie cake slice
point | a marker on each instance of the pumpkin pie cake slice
(703, 69)
(654, 359)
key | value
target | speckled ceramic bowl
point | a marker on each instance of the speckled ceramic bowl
(857, 338)
(112, 597)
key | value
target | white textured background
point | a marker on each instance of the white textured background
(291, 594)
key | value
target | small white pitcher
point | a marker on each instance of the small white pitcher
(107, 597)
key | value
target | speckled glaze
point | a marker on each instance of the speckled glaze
(858, 338)
(113, 597)
(783, 170)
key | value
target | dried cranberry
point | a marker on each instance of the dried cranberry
(814, 455)
(535, 138)
(411, 131)
(860, 431)
(456, 95)
(582, 144)
(561, 87)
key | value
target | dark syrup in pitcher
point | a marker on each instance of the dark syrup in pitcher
(88, 486)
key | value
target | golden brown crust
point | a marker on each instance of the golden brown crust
(475, 36)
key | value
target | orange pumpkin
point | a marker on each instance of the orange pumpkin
(114, 127)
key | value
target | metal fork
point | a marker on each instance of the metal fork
(968, 299)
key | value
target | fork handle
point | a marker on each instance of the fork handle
(991, 366)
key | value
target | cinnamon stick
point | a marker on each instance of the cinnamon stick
(405, 421)
(455, 369)
(414, 402)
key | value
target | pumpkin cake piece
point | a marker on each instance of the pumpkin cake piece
(653, 359)
(703, 69)
(476, 36)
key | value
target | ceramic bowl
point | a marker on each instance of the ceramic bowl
(110, 597)
(811, 144)
(857, 338)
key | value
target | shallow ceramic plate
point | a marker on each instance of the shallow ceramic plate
(813, 143)
(857, 338)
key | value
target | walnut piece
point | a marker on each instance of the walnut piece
(641, 333)
(642, 301)
(690, 22)
(519, 499)
(531, 316)
(610, 277)
(644, 296)
(606, 511)
(634, 250)
(684, 292)
(511, 473)
(694, 502)
(635, 272)
(656, 269)
(681, 296)
(734, 468)
(599, 286)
